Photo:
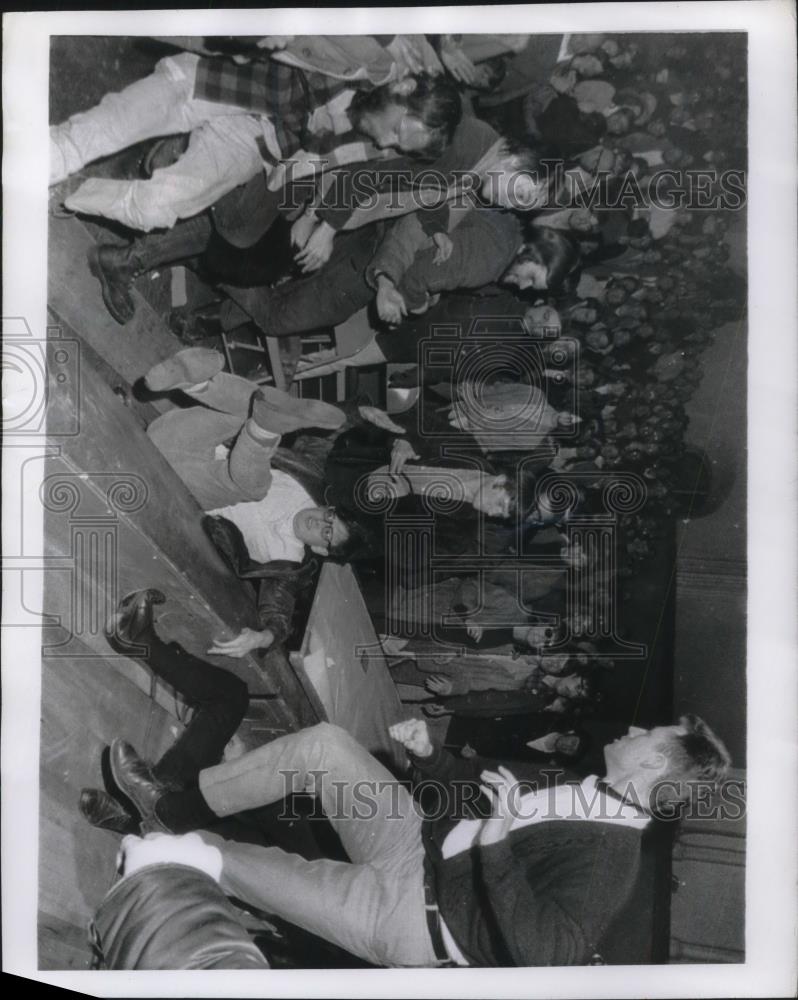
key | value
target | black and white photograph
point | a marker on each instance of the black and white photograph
(399, 500)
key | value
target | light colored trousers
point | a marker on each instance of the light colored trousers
(222, 151)
(372, 906)
(188, 440)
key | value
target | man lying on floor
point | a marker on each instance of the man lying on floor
(537, 882)
(223, 451)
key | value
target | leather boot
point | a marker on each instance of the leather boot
(116, 268)
(132, 618)
(136, 780)
(106, 813)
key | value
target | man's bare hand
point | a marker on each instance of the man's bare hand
(413, 54)
(302, 228)
(275, 42)
(391, 306)
(248, 640)
(475, 632)
(457, 62)
(435, 710)
(318, 249)
(414, 736)
(439, 684)
(401, 453)
(444, 248)
(374, 415)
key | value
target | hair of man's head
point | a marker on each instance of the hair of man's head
(551, 248)
(522, 157)
(696, 754)
(435, 100)
(358, 543)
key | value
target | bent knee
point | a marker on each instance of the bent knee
(182, 66)
(161, 432)
(329, 734)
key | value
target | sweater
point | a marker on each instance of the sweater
(471, 140)
(267, 524)
(545, 895)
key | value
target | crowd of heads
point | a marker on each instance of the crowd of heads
(642, 292)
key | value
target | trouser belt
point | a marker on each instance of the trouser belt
(433, 915)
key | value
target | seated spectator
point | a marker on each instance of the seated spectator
(241, 119)
(547, 261)
(536, 738)
(536, 693)
(415, 115)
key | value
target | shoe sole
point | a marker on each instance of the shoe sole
(155, 382)
(312, 412)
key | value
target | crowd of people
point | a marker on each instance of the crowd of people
(322, 180)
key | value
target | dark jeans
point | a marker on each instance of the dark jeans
(324, 299)
(219, 700)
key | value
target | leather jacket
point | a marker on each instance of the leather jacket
(279, 582)
(168, 916)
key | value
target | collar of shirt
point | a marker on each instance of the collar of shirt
(584, 801)
(546, 744)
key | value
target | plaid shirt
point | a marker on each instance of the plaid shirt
(283, 93)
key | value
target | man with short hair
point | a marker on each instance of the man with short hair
(241, 119)
(537, 882)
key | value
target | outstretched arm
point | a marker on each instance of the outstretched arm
(276, 603)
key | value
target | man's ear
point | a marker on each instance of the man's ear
(319, 550)
(657, 761)
(405, 86)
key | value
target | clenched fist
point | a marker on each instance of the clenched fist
(414, 737)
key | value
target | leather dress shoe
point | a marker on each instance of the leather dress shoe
(105, 812)
(136, 780)
(132, 617)
(115, 268)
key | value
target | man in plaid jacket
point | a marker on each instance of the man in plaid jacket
(242, 117)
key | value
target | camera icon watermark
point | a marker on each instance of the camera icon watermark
(498, 375)
(40, 378)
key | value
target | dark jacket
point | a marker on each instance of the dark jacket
(168, 916)
(279, 583)
(545, 895)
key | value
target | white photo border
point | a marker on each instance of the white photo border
(771, 922)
